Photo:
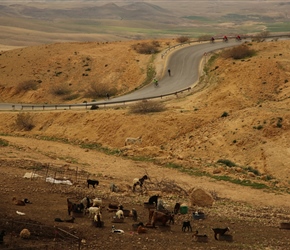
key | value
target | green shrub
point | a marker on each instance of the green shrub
(147, 106)
(226, 162)
(27, 85)
(279, 122)
(94, 107)
(239, 52)
(224, 114)
(24, 121)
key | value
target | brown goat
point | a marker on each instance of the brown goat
(156, 216)
(18, 202)
(141, 230)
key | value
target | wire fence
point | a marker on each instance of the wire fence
(58, 174)
(73, 180)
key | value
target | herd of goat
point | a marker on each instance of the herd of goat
(157, 213)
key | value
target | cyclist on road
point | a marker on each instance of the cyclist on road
(155, 82)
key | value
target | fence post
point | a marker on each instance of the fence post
(46, 171)
(32, 174)
(54, 177)
(76, 174)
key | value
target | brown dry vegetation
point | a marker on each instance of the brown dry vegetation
(183, 143)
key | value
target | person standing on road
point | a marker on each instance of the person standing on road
(169, 72)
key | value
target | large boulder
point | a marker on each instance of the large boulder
(200, 197)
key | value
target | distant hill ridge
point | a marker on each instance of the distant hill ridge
(140, 11)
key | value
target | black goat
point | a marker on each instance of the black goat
(73, 207)
(71, 220)
(153, 199)
(92, 182)
(220, 231)
(176, 208)
(139, 182)
(186, 225)
(2, 234)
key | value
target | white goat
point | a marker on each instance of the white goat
(131, 140)
(120, 214)
(118, 231)
(93, 210)
(97, 202)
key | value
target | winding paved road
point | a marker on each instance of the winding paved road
(184, 64)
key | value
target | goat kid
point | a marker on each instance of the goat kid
(186, 225)
(220, 231)
(98, 217)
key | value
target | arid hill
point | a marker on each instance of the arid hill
(237, 114)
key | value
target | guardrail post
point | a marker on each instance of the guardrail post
(55, 106)
(69, 106)
(43, 107)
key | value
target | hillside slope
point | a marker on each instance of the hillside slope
(192, 132)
